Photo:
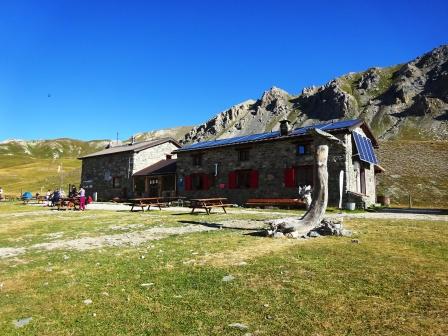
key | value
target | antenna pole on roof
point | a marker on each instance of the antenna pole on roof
(117, 136)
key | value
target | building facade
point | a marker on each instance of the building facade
(273, 165)
(110, 173)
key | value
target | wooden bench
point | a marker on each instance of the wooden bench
(147, 203)
(208, 204)
(278, 202)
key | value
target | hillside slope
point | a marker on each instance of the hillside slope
(416, 168)
(34, 165)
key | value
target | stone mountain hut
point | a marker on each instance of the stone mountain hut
(274, 164)
(136, 169)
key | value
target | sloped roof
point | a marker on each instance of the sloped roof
(348, 125)
(136, 147)
(159, 168)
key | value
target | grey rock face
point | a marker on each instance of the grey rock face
(408, 100)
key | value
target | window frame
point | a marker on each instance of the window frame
(306, 148)
(114, 182)
(197, 160)
(243, 154)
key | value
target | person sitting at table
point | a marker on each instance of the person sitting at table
(73, 192)
(56, 197)
(48, 197)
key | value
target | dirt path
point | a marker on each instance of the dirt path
(124, 239)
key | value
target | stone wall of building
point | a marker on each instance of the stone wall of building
(270, 160)
(98, 173)
(152, 155)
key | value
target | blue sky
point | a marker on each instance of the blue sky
(87, 69)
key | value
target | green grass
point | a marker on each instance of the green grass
(392, 283)
(20, 173)
(416, 168)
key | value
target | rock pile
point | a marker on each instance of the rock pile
(328, 227)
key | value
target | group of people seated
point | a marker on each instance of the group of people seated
(53, 198)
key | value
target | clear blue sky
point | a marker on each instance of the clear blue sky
(131, 66)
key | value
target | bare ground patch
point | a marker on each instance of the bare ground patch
(124, 239)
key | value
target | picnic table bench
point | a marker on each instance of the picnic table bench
(287, 202)
(208, 204)
(67, 203)
(147, 202)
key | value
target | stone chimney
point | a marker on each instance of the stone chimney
(284, 127)
(132, 140)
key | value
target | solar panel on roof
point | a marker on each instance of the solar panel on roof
(365, 148)
(270, 135)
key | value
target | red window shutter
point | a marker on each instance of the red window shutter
(205, 182)
(253, 178)
(188, 183)
(232, 180)
(289, 177)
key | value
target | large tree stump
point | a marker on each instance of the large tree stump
(296, 227)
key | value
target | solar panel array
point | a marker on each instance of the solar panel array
(365, 148)
(269, 135)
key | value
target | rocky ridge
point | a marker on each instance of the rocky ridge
(407, 101)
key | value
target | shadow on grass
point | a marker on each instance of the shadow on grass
(254, 231)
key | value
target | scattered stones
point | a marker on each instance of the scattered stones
(239, 326)
(313, 234)
(105, 293)
(241, 263)
(22, 322)
(87, 302)
(228, 278)
(65, 257)
(293, 234)
(355, 241)
(149, 284)
(278, 235)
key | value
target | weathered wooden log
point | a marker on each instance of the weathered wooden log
(316, 211)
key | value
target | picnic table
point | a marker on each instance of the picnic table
(67, 203)
(208, 204)
(144, 202)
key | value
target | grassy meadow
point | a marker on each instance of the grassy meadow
(393, 282)
(23, 173)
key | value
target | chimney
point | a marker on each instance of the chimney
(132, 140)
(284, 127)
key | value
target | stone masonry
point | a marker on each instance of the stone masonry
(270, 159)
(99, 171)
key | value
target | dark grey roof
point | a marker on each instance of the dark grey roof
(136, 147)
(159, 168)
(269, 136)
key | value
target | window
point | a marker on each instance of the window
(197, 160)
(242, 179)
(303, 149)
(243, 155)
(304, 175)
(116, 182)
(197, 181)
(298, 176)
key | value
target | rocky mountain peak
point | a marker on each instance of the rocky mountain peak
(404, 101)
